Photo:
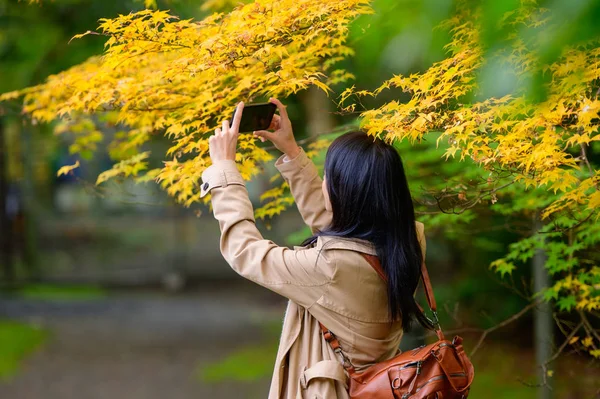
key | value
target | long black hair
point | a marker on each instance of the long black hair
(370, 200)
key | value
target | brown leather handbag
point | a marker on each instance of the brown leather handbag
(440, 370)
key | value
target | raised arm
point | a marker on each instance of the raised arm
(295, 274)
(298, 170)
(305, 185)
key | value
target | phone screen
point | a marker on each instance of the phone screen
(256, 117)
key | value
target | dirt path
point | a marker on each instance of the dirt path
(141, 346)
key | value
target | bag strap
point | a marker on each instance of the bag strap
(374, 262)
(376, 265)
(337, 348)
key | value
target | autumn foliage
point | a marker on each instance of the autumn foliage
(163, 76)
(160, 75)
(532, 153)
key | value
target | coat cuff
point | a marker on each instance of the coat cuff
(286, 165)
(220, 174)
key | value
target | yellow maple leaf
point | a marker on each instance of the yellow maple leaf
(67, 169)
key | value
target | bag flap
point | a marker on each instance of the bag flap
(456, 365)
(408, 358)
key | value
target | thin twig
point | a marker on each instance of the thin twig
(564, 344)
(588, 325)
(453, 313)
(485, 332)
(558, 352)
(502, 324)
(469, 204)
(585, 158)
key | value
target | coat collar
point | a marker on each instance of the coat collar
(352, 244)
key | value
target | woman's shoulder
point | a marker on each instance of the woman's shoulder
(357, 244)
(354, 279)
(353, 244)
(332, 251)
(356, 291)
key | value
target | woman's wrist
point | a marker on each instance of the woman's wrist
(293, 152)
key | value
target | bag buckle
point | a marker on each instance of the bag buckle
(345, 361)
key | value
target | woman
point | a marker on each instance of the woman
(362, 206)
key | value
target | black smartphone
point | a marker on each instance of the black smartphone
(255, 117)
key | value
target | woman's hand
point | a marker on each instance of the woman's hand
(223, 145)
(283, 136)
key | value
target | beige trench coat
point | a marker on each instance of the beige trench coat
(330, 282)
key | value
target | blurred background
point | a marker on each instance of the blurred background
(117, 292)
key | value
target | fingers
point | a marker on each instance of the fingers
(223, 144)
(280, 107)
(238, 117)
(225, 126)
(263, 135)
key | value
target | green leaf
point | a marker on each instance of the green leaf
(550, 294)
(502, 266)
(567, 303)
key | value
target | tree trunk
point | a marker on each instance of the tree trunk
(30, 206)
(542, 315)
(318, 115)
(6, 243)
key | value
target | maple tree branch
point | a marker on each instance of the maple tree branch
(571, 228)
(176, 46)
(512, 287)
(596, 314)
(150, 109)
(560, 323)
(461, 330)
(469, 204)
(502, 324)
(559, 351)
(585, 158)
(485, 332)
(564, 344)
(588, 326)
(454, 313)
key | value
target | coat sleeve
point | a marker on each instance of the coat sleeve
(301, 275)
(305, 185)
